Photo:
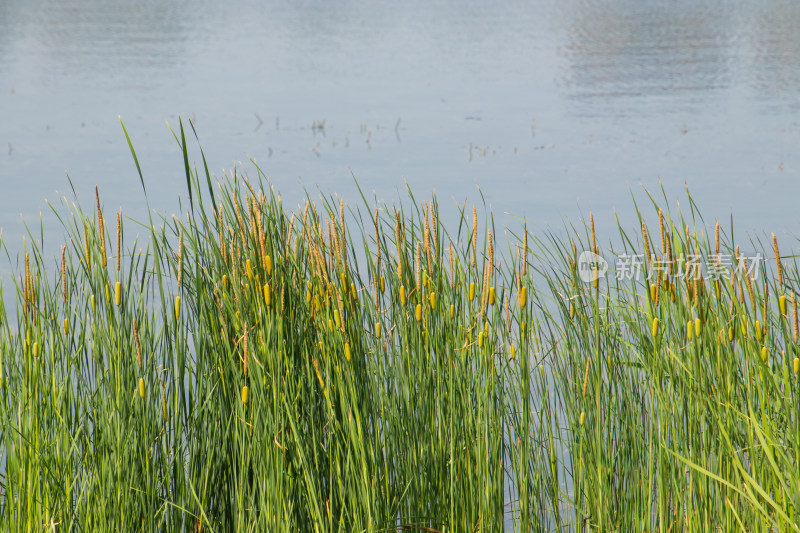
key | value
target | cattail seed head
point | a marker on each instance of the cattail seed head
(418, 312)
(452, 310)
(245, 394)
(378, 330)
(523, 297)
(471, 291)
(141, 388)
(66, 326)
(583, 417)
(267, 295)
(764, 354)
(268, 265)
(513, 352)
(119, 240)
(491, 296)
(698, 327)
(689, 329)
(525, 252)
(347, 355)
(777, 259)
(64, 272)
(797, 365)
(655, 327)
(432, 298)
(782, 304)
(117, 293)
(177, 307)
(402, 295)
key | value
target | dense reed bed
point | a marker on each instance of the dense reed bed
(364, 368)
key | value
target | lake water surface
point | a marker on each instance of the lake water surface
(552, 108)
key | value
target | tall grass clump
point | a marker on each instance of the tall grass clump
(250, 368)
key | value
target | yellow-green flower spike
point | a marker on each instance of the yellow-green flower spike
(245, 395)
(480, 339)
(758, 331)
(308, 297)
(91, 300)
(402, 295)
(698, 327)
(141, 388)
(36, 350)
(268, 265)
(383, 285)
(764, 354)
(583, 417)
(797, 365)
(330, 325)
(418, 313)
(491, 296)
(249, 269)
(571, 310)
(432, 298)
(66, 326)
(117, 293)
(782, 304)
(730, 334)
(689, 328)
(177, 307)
(452, 311)
(486, 328)
(513, 352)
(655, 327)
(353, 291)
(744, 327)
(653, 292)
(471, 291)
(336, 318)
(267, 295)
(347, 351)
(378, 329)
(523, 297)
(225, 280)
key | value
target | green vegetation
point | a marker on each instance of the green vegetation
(252, 369)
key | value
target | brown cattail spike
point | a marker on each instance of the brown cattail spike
(474, 236)
(778, 260)
(525, 251)
(64, 272)
(119, 240)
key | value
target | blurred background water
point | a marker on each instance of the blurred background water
(552, 108)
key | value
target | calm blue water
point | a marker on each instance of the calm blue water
(552, 108)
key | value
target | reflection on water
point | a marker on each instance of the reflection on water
(553, 108)
(682, 49)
